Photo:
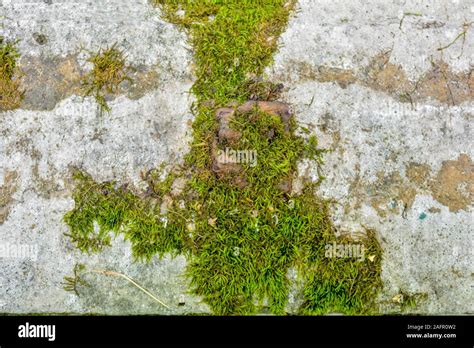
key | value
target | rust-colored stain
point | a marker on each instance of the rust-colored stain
(454, 184)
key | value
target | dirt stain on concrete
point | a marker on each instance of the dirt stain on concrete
(47, 81)
(342, 77)
(446, 86)
(439, 82)
(453, 186)
(7, 190)
(381, 75)
(418, 173)
(392, 194)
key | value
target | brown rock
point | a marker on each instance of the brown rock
(223, 168)
(226, 134)
(286, 186)
(224, 116)
(274, 108)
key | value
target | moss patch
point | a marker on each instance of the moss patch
(405, 302)
(109, 71)
(240, 224)
(10, 92)
(343, 285)
(105, 209)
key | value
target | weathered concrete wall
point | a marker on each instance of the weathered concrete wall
(399, 165)
(396, 113)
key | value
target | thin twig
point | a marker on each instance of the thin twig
(452, 42)
(462, 34)
(120, 275)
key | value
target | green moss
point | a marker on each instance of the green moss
(233, 41)
(10, 93)
(109, 71)
(73, 283)
(343, 285)
(240, 231)
(107, 208)
(410, 300)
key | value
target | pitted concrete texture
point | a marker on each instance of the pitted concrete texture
(400, 166)
(57, 37)
(69, 25)
(348, 34)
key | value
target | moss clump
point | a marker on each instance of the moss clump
(109, 71)
(10, 92)
(233, 41)
(73, 283)
(241, 230)
(343, 285)
(407, 301)
(107, 208)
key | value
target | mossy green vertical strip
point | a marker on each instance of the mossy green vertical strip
(242, 231)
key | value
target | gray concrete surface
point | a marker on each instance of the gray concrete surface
(403, 169)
